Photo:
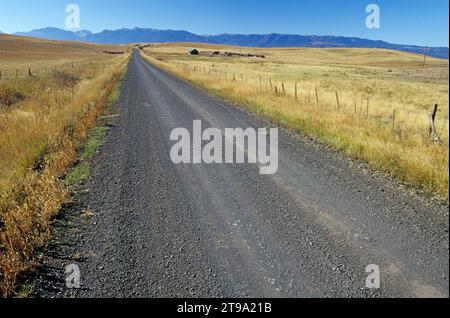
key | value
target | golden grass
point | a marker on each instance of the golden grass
(22, 53)
(39, 138)
(392, 136)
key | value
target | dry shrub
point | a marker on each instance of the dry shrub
(9, 97)
(65, 79)
(26, 226)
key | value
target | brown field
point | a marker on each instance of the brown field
(44, 55)
(372, 104)
(44, 119)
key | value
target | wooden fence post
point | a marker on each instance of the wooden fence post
(317, 96)
(433, 132)
(282, 86)
(394, 113)
(296, 91)
(29, 72)
(368, 103)
(355, 110)
(271, 86)
(17, 73)
(337, 99)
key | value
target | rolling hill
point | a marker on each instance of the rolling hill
(135, 35)
(23, 52)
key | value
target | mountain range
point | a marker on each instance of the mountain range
(138, 35)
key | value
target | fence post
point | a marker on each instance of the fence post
(17, 73)
(271, 86)
(317, 96)
(394, 113)
(433, 133)
(337, 99)
(282, 86)
(368, 103)
(29, 72)
(296, 91)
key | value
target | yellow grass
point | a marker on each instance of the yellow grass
(23, 53)
(394, 87)
(39, 137)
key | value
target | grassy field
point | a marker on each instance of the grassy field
(44, 119)
(22, 53)
(372, 104)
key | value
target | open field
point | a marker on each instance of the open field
(44, 119)
(22, 53)
(372, 104)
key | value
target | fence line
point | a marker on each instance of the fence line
(269, 86)
(17, 73)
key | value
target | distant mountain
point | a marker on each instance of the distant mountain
(56, 34)
(285, 40)
(137, 35)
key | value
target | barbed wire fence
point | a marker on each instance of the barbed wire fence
(30, 71)
(331, 101)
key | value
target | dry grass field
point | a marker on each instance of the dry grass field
(23, 53)
(372, 104)
(44, 119)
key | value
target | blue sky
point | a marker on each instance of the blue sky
(418, 22)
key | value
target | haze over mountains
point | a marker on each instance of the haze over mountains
(137, 35)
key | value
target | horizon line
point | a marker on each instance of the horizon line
(218, 34)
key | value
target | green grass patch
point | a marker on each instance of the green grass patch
(78, 174)
(115, 95)
(27, 290)
(81, 172)
(107, 118)
(95, 141)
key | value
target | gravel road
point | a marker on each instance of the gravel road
(225, 230)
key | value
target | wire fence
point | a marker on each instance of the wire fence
(367, 107)
(30, 71)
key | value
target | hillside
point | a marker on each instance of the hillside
(20, 52)
(126, 36)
